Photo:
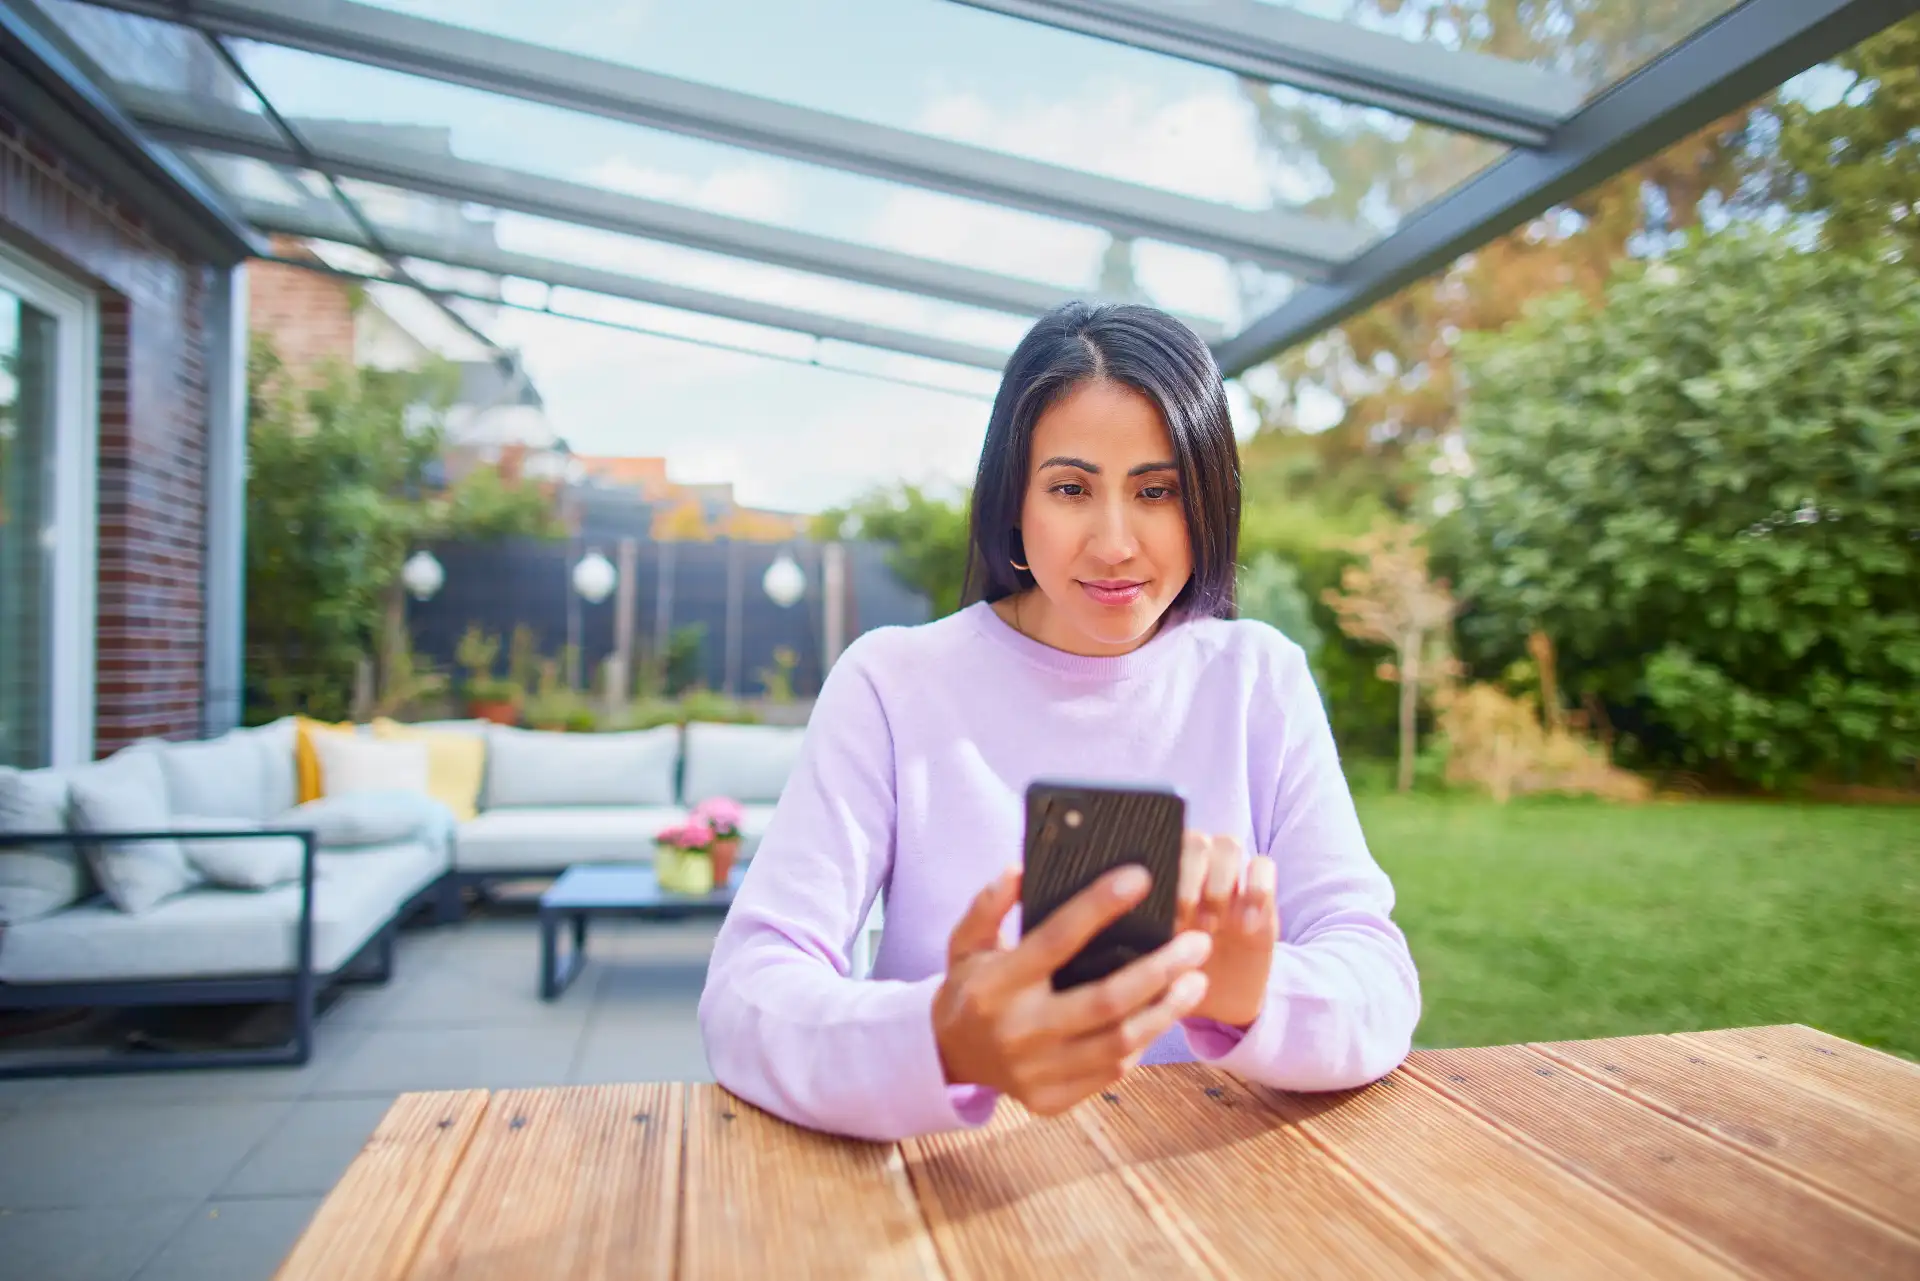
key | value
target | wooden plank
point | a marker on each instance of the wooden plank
(762, 1198)
(1487, 1196)
(1884, 1085)
(1754, 1216)
(1802, 1131)
(580, 1183)
(371, 1224)
(1200, 1145)
(1025, 1196)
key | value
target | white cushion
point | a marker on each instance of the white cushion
(239, 862)
(36, 879)
(208, 932)
(280, 772)
(543, 840)
(363, 818)
(127, 792)
(351, 763)
(221, 778)
(749, 763)
(536, 768)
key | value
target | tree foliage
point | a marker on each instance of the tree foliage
(1855, 162)
(337, 496)
(926, 537)
(1391, 369)
(1706, 490)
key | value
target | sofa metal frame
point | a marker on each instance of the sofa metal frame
(372, 962)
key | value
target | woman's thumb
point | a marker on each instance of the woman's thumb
(979, 929)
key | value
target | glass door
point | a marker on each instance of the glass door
(48, 428)
(28, 444)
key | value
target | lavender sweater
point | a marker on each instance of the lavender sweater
(911, 784)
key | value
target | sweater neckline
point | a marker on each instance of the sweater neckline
(989, 624)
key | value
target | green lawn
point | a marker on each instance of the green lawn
(1551, 919)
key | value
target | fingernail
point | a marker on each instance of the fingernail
(1189, 988)
(1129, 880)
(1191, 949)
(1250, 918)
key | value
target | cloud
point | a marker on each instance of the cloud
(739, 278)
(755, 191)
(1204, 145)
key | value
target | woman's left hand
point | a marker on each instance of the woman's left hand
(1235, 906)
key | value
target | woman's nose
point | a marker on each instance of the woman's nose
(1112, 541)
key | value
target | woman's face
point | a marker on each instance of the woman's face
(1103, 525)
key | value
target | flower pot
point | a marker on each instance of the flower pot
(500, 713)
(682, 871)
(725, 850)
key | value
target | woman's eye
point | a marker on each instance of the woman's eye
(1155, 493)
(1071, 489)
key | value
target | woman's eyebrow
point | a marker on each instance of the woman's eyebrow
(1060, 460)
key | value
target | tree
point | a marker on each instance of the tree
(1391, 369)
(337, 496)
(1855, 162)
(1705, 489)
(1389, 598)
(927, 539)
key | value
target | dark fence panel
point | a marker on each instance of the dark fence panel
(501, 586)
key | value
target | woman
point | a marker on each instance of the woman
(1099, 643)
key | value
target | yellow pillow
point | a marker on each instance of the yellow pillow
(456, 764)
(306, 761)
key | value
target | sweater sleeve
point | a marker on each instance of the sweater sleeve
(786, 1027)
(1343, 996)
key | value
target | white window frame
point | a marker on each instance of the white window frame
(76, 523)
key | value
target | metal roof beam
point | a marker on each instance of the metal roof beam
(1496, 98)
(1746, 53)
(348, 153)
(50, 82)
(1303, 245)
(324, 222)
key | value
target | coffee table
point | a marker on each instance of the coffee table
(585, 891)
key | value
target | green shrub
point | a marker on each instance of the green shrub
(1706, 490)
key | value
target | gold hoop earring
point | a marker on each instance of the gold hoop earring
(1025, 569)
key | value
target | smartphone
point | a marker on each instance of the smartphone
(1078, 831)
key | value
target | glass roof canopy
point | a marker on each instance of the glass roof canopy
(922, 177)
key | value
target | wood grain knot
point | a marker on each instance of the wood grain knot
(517, 1123)
(1108, 1096)
(641, 1118)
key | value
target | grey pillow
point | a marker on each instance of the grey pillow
(240, 862)
(537, 768)
(361, 818)
(36, 880)
(128, 793)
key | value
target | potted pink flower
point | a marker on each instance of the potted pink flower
(723, 816)
(683, 858)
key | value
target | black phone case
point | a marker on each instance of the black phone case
(1118, 825)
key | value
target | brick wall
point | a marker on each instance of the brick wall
(153, 434)
(307, 316)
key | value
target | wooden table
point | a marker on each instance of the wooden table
(1774, 1152)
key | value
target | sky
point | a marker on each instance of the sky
(787, 435)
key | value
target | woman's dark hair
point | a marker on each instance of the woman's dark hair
(1164, 361)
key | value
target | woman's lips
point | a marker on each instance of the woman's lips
(1113, 591)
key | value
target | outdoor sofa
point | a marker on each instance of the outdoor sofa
(193, 873)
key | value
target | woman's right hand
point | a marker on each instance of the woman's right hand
(999, 1023)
